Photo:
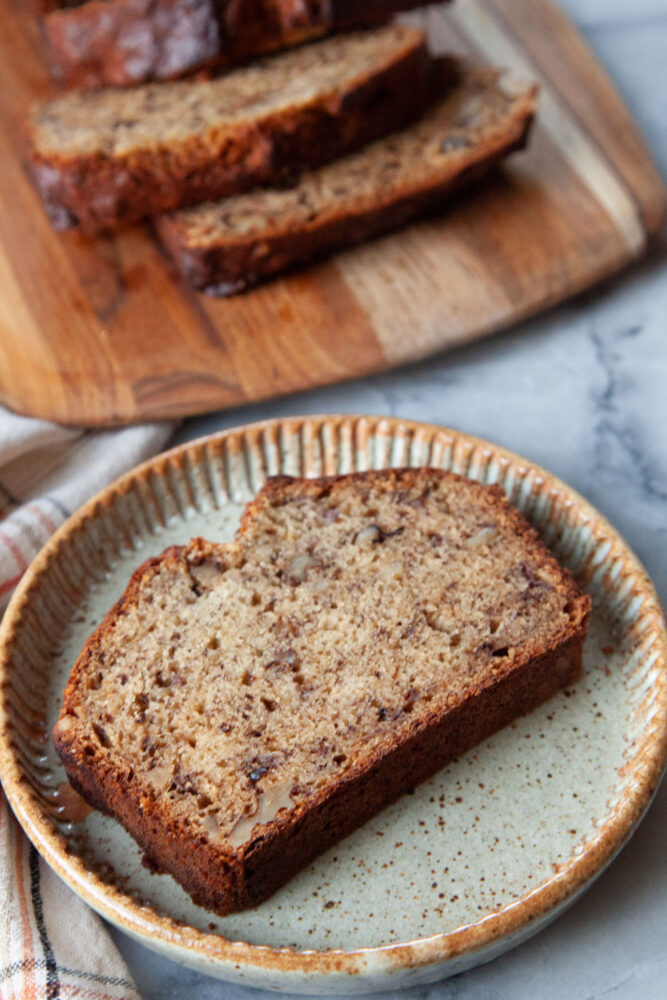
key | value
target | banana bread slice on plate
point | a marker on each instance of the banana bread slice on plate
(120, 42)
(229, 245)
(243, 706)
(103, 157)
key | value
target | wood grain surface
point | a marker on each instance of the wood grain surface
(97, 331)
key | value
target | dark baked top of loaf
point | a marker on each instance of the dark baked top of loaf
(235, 681)
(116, 122)
(470, 122)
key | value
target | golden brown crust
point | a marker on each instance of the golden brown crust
(95, 189)
(224, 878)
(226, 883)
(124, 42)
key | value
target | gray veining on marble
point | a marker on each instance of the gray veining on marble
(583, 392)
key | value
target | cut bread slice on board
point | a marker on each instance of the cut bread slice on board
(103, 157)
(244, 706)
(122, 42)
(234, 243)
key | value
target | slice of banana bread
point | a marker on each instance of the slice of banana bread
(229, 245)
(102, 157)
(119, 42)
(244, 706)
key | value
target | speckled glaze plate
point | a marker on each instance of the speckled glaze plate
(475, 861)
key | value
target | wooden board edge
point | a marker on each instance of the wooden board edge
(649, 188)
(169, 410)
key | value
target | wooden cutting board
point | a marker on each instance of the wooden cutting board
(98, 332)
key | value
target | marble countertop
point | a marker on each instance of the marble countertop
(583, 392)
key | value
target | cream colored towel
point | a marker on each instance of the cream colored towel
(52, 946)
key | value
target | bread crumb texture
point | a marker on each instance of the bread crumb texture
(117, 122)
(235, 685)
(461, 127)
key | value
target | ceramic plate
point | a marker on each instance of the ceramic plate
(479, 858)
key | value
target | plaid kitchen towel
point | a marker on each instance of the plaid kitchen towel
(52, 946)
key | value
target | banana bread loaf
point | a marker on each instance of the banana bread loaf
(229, 245)
(244, 706)
(119, 42)
(103, 157)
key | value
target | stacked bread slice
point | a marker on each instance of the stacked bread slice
(228, 245)
(269, 164)
(116, 155)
